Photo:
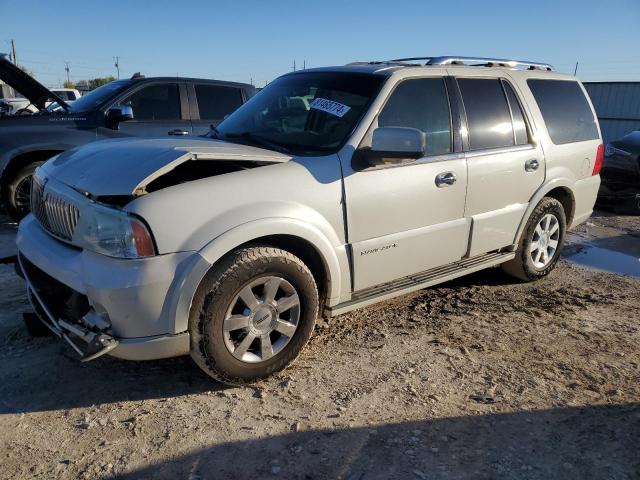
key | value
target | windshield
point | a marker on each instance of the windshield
(304, 114)
(97, 97)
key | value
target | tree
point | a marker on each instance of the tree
(69, 84)
(98, 82)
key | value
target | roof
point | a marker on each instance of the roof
(190, 79)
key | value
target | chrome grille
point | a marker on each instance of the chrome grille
(55, 213)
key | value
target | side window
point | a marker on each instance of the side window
(421, 104)
(519, 124)
(488, 116)
(565, 110)
(155, 102)
(214, 101)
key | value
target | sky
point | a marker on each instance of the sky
(259, 40)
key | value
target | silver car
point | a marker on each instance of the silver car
(331, 189)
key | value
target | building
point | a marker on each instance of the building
(617, 105)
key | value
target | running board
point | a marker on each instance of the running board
(420, 280)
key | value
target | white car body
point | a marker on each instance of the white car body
(377, 232)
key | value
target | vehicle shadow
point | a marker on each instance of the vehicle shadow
(561, 443)
(50, 378)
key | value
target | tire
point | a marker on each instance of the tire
(217, 343)
(528, 265)
(17, 195)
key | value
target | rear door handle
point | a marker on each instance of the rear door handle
(178, 131)
(531, 165)
(445, 179)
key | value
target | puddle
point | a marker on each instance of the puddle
(605, 248)
(606, 260)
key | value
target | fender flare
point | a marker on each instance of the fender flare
(562, 182)
(244, 233)
(8, 156)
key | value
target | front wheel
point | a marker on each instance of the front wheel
(252, 314)
(541, 242)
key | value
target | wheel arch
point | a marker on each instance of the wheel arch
(327, 263)
(562, 190)
(20, 159)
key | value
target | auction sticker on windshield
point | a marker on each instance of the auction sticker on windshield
(329, 106)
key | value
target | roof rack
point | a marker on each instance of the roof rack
(476, 61)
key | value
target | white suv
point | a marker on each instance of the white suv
(331, 189)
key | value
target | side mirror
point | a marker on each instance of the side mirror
(392, 145)
(117, 114)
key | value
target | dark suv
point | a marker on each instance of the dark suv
(138, 106)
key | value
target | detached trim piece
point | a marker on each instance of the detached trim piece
(419, 281)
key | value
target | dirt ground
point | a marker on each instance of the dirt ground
(482, 378)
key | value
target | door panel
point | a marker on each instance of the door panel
(504, 168)
(407, 218)
(401, 223)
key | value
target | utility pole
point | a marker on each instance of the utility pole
(13, 49)
(66, 68)
(294, 65)
(575, 70)
(304, 64)
(117, 65)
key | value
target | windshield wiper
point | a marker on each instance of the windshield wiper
(258, 140)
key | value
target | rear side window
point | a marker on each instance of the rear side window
(421, 104)
(565, 110)
(216, 101)
(488, 115)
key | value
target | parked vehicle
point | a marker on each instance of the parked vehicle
(23, 106)
(620, 188)
(69, 95)
(137, 106)
(331, 189)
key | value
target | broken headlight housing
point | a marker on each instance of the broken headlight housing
(114, 233)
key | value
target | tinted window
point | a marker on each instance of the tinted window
(565, 110)
(421, 104)
(155, 102)
(488, 116)
(214, 102)
(519, 124)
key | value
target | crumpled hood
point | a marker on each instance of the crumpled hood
(126, 166)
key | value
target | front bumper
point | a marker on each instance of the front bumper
(125, 308)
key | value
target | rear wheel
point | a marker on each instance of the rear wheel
(539, 247)
(18, 193)
(252, 315)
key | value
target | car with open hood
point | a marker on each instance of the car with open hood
(138, 106)
(331, 189)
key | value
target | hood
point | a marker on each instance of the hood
(34, 91)
(127, 166)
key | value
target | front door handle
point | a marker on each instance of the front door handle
(531, 165)
(178, 131)
(445, 179)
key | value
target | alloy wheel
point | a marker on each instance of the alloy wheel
(544, 242)
(262, 319)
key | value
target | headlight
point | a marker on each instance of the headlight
(114, 233)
